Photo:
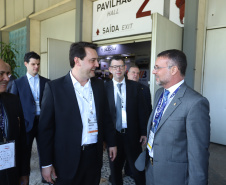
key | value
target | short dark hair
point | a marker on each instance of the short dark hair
(133, 65)
(178, 57)
(117, 58)
(30, 55)
(77, 49)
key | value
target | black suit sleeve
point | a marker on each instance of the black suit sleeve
(14, 89)
(142, 112)
(46, 128)
(24, 159)
(109, 130)
(147, 96)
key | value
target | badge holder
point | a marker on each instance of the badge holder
(7, 154)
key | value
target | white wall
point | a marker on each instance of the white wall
(216, 16)
(214, 85)
(61, 27)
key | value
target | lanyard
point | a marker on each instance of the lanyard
(90, 102)
(160, 109)
(2, 122)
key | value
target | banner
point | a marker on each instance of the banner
(119, 18)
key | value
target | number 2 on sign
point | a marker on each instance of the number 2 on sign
(140, 12)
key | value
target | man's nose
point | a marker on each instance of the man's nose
(97, 63)
(6, 77)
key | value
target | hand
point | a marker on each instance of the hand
(143, 139)
(112, 153)
(24, 180)
(48, 173)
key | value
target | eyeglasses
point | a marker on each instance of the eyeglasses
(158, 68)
(116, 67)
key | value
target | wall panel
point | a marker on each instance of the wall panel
(216, 14)
(10, 14)
(41, 5)
(19, 10)
(28, 7)
(2, 13)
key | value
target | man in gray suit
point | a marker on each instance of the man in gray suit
(178, 129)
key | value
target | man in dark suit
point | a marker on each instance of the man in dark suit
(129, 114)
(134, 74)
(178, 128)
(30, 90)
(12, 128)
(74, 121)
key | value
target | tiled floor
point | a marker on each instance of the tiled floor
(35, 177)
(217, 168)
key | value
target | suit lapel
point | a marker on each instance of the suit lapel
(27, 87)
(70, 93)
(128, 89)
(157, 97)
(41, 87)
(173, 105)
(111, 96)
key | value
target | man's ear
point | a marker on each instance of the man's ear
(174, 70)
(25, 63)
(77, 61)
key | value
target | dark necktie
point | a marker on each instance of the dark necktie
(119, 110)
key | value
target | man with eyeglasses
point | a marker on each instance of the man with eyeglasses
(14, 168)
(129, 114)
(178, 128)
(74, 121)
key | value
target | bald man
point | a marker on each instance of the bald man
(11, 78)
(134, 74)
(12, 129)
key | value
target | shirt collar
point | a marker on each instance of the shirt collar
(30, 76)
(76, 82)
(123, 82)
(174, 87)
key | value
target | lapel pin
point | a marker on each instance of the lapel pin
(174, 104)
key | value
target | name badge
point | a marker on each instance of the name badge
(150, 141)
(7, 155)
(37, 106)
(93, 128)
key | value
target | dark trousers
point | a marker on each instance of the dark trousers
(88, 172)
(9, 177)
(30, 138)
(117, 165)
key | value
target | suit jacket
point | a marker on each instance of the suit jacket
(10, 83)
(15, 131)
(21, 88)
(60, 126)
(136, 111)
(181, 140)
(147, 96)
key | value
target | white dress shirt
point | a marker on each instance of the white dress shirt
(85, 100)
(171, 90)
(123, 94)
